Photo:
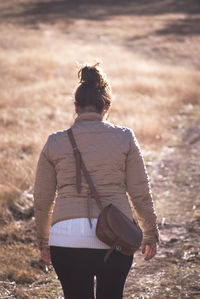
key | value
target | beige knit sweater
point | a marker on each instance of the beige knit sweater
(114, 160)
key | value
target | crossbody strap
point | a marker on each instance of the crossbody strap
(81, 165)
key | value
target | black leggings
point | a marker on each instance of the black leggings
(76, 268)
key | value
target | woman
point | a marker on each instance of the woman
(114, 160)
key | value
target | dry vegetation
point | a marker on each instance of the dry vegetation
(148, 50)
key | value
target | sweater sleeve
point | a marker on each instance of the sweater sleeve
(44, 195)
(138, 188)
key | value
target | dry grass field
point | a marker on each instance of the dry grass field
(150, 52)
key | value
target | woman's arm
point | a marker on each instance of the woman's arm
(44, 193)
(138, 187)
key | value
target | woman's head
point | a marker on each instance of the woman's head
(93, 92)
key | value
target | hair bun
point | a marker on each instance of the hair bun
(93, 90)
(91, 75)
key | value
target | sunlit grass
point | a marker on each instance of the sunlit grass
(38, 75)
(37, 84)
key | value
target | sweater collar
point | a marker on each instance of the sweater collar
(85, 116)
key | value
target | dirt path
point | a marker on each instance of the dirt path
(174, 272)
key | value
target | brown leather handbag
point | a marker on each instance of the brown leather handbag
(113, 228)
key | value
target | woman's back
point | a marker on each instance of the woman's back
(104, 148)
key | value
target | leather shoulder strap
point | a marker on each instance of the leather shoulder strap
(77, 156)
(81, 165)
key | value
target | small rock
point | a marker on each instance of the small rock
(173, 240)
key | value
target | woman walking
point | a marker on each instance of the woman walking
(113, 158)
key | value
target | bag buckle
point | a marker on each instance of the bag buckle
(118, 247)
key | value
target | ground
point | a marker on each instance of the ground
(150, 51)
(174, 272)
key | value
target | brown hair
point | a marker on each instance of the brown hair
(94, 89)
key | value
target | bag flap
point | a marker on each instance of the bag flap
(127, 230)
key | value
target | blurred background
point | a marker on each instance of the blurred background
(150, 53)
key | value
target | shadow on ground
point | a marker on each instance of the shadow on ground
(47, 11)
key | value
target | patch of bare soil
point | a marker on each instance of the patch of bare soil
(174, 272)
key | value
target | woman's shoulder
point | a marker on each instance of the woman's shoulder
(56, 137)
(57, 134)
(126, 131)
